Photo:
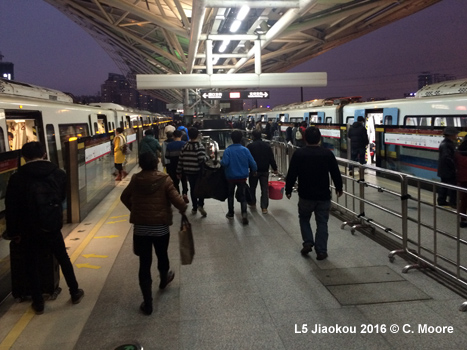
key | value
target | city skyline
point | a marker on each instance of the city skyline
(384, 63)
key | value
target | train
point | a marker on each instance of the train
(404, 133)
(33, 113)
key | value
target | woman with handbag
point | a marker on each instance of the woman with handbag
(149, 197)
(119, 154)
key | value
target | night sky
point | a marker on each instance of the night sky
(50, 50)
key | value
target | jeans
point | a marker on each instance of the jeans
(240, 195)
(172, 171)
(357, 155)
(34, 247)
(263, 178)
(143, 248)
(196, 202)
(321, 209)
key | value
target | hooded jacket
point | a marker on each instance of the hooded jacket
(358, 136)
(18, 222)
(149, 144)
(149, 197)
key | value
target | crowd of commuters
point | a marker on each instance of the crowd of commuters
(151, 193)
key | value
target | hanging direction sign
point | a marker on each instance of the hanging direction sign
(234, 95)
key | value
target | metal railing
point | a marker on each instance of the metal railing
(400, 211)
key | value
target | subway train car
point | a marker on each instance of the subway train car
(404, 133)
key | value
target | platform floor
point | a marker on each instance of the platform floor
(248, 288)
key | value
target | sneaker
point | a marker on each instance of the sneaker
(463, 224)
(167, 279)
(229, 215)
(146, 308)
(265, 211)
(76, 297)
(321, 256)
(307, 248)
(202, 212)
(38, 307)
(185, 199)
(194, 211)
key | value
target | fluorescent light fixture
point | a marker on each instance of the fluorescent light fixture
(214, 60)
(243, 12)
(224, 45)
(235, 25)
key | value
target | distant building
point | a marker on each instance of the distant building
(426, 78)
(7, 69)
(117, 89)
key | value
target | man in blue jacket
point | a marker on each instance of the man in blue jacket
(237, 161)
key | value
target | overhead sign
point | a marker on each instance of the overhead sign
(234, 95)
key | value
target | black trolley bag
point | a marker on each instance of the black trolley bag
(49, 273)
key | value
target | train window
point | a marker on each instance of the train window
(51, 143)
(72, 130)
(328, 120)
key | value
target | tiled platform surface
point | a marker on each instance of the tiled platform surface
(248, 288)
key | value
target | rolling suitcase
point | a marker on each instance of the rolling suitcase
(49, 273)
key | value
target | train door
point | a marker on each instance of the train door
(316, 117)
(5, 142)
(23, 127)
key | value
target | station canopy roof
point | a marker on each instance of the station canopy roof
(177, 36)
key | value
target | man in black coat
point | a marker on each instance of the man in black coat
(447, 166)
(312, 165)
(263, 156)
(25, 227)
(358, 141)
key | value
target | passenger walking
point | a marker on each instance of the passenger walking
(169, 128)
(119, 156)
(27, 219)
(447, 167)
(358, 141)
(263, 156)
(312, 165)
(149, 197)
(149, 144)
(172, 154)
(168, 140)
(238, 162)
(191, 158)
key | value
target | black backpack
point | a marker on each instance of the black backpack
(45, 205)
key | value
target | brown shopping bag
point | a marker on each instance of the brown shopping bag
(187, 244)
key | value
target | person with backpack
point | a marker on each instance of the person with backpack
(120, 146)
(34, 218)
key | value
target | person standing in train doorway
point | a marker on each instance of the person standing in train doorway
(119, 156)
(36, 227)
(447, 167)
(149, 197)
(358, 142)
(312, 165)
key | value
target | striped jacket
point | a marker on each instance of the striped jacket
(191, 157)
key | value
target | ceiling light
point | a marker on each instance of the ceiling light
(243, 12)
(235, 25)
